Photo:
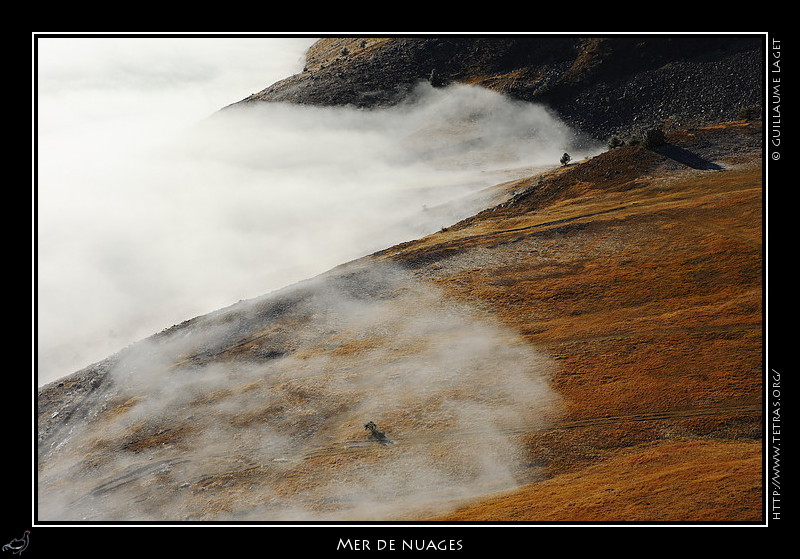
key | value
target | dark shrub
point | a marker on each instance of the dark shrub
(654, 138)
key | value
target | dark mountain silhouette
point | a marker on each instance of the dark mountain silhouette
(602, 86)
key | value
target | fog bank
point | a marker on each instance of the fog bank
(257, 412)
(147, 218)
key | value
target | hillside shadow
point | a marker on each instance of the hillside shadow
(687, 157)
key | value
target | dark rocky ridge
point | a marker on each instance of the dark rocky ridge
(601, 86)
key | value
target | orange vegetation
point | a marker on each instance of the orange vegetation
(643, 279)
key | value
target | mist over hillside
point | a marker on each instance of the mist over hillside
(253, 199)
(370, 291)
(238, 425)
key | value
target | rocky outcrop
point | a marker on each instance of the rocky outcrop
(602, 86)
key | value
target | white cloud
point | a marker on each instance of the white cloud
(150, 213)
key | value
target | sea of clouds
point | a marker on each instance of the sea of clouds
(153, 205)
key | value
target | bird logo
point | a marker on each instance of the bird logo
(18, 545)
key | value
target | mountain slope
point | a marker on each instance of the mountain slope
(589, 348)
(601, 86)
(647, 292)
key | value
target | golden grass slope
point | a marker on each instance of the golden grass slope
(642, 277)
(668, 481)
